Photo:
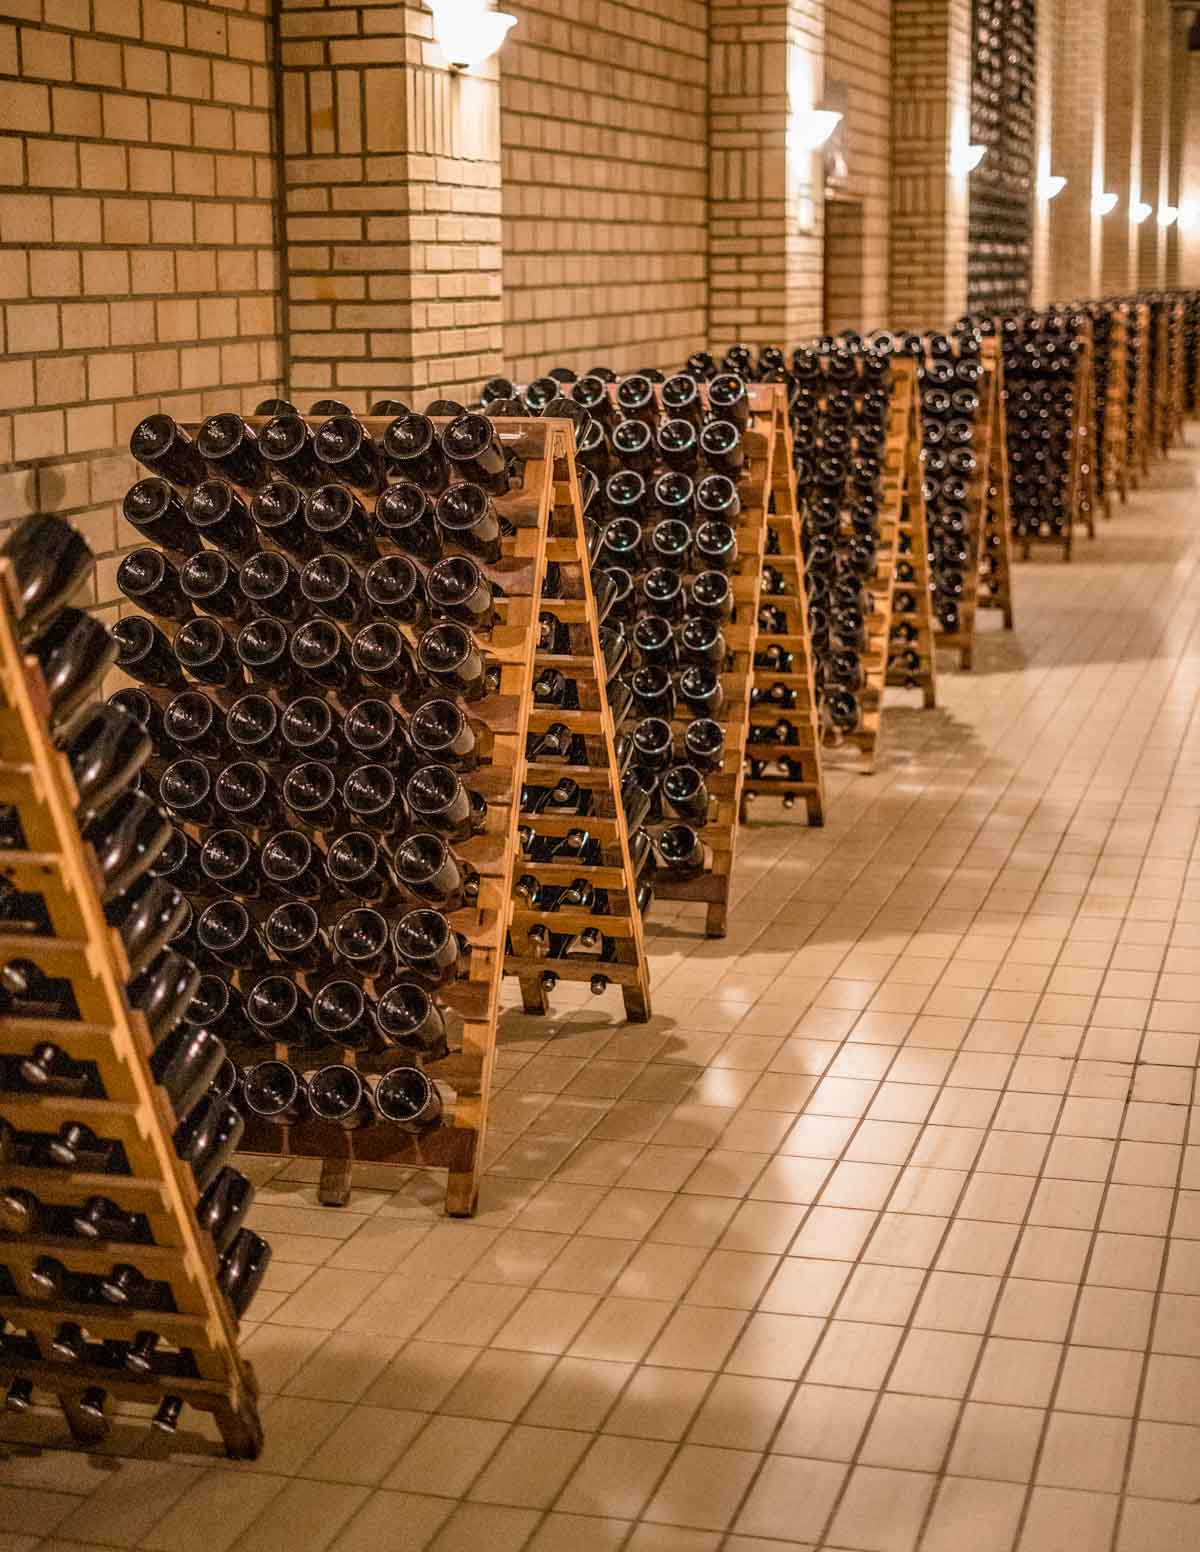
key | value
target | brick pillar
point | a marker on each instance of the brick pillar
(1156, 125)
(1077, 150)
(392, 181)
(1189, 180)
(1180, 23)
(1047, 41)
(931, 114)
(765, 192)
(1122, 142)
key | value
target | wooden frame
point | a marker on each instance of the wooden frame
(134, 1111)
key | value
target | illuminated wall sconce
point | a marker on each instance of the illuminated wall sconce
(812, 127)
(1168, 215)
(1051, 185)
(965, 158)
(1104, 204)
(1139, 212)
(468, 32)
(1189, 215)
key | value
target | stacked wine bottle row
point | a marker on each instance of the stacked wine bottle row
(1137, 347)
(1048, 383)
(994, 587)
(1003, 120)
(125, 1261)
(1191, 352)
(1110, 387)
(342, 689)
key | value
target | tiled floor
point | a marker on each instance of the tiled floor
(884, 1235)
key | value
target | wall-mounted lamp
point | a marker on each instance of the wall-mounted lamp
(1052, 184)
(1189, 215)
(468, 32)
(1104, 204)
(813, 127)
(965, 158)
(1168, 215)
(1139, 212)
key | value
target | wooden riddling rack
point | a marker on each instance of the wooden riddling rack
(1112, 448)
(784, 556)
(901, 476)
(1080, 484)
(133, 1112)
(994, 590)
(1137, 407)
(545, 514)
(987, 445)
(911, 545)
(711, 888)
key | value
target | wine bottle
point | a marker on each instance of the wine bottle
(278, 511)
(373, 732)
(393, 587)
(49, 563)
(145, 654)
(271, 585)
(246, 794)
(126, 836)
(440, 732)
(465, 517)
(264, 650)
(358, 867)
(424, 941)
(310, 790)
(153, 508)
(227, 932)
(474, 453)
(186, 789)
(309, 731)
(291, 864)
(318, 650)
(206, 652)
(219, 516)
(207, 1136)
(360, 940)
(681, 853)
(338, 1094)
(279, 1010)
(185, 1062)
(230, 449)
(380, 655)
(404, 517)
(293, 933)
(337, 519)
(342, 1015)
(105, 751)
(447, 654)
(210, 582)
(230, 861)
(242, 1269)
(407, 1016)
(457, 587)
(372, 799)
(347, 451)
(148, 915)
(224, 1206)
(405, 1097)
(287, 444)
(164, 448)
(179, 861)
(414, 453)
(274, 1091)
(149, 580)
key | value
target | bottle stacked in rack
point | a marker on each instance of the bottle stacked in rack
(663, 458)
(949, 376)
(108, 752)
(1003, 121)
(1040, 356)
(1101, 315)
(322, 599)
(1191, 351)
(840, 408)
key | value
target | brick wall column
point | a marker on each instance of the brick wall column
(1156, 126)
(1047, 42)
(392, 185)
(1077, 149)
(1177, 141)
(1189, 180)
(1122, 142)
(766, 196)
(931, 101)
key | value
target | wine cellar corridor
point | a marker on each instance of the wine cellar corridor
(884, 1233)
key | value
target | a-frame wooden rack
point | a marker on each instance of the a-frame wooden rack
(801, 777)
(990, 457)
(198, 1336)
(544, 515)
(912, 601)
(1079, 493)
(994, 588)
(1137, 403)
(711, 888)
(1112, 437)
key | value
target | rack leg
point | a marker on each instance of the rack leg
(637, 1005)
(462, 1183)
(715, 919)
(534, 998)
(334, 1187)
(241, 1429)
(816, 809)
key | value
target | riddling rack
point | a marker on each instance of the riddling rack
(1113, 453)
(1137, 443)
(196, 1359)
(1079, 499)
(912, 596)
(788, 770)
(987, 456)
(902, 472)
(719, 834)
(545, 517)
(995, 552)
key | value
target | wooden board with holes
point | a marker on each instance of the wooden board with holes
(792, 769)
(199, 1335)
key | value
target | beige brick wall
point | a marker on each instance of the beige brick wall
(138, 265)
(1156, 139)
(858, 59)
(604, 131)
(1077, 148)
(1047, 43)
(931, 91)
(392, 180)
(1123, 142)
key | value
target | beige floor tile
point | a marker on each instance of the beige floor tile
(214, 1513)
(579, 1533)
(498, 1528)
(530, 1467)
(447, 1456)
(741, 1412)
(910, 1432)
(305, 1517)
(881, 1510)
(703, 1487)
(791, 1498)
(410, 1519)
(659, 1403)
(616, 1477)
(1059, 1520)
(980, 1515)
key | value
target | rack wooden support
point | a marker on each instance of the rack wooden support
(983, 446)
(913, 534)
(134, 1111)
(1138, 400)
(1079, 498)
(901, 468)
(1116, 417)
(576, 609)
(784, 556)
